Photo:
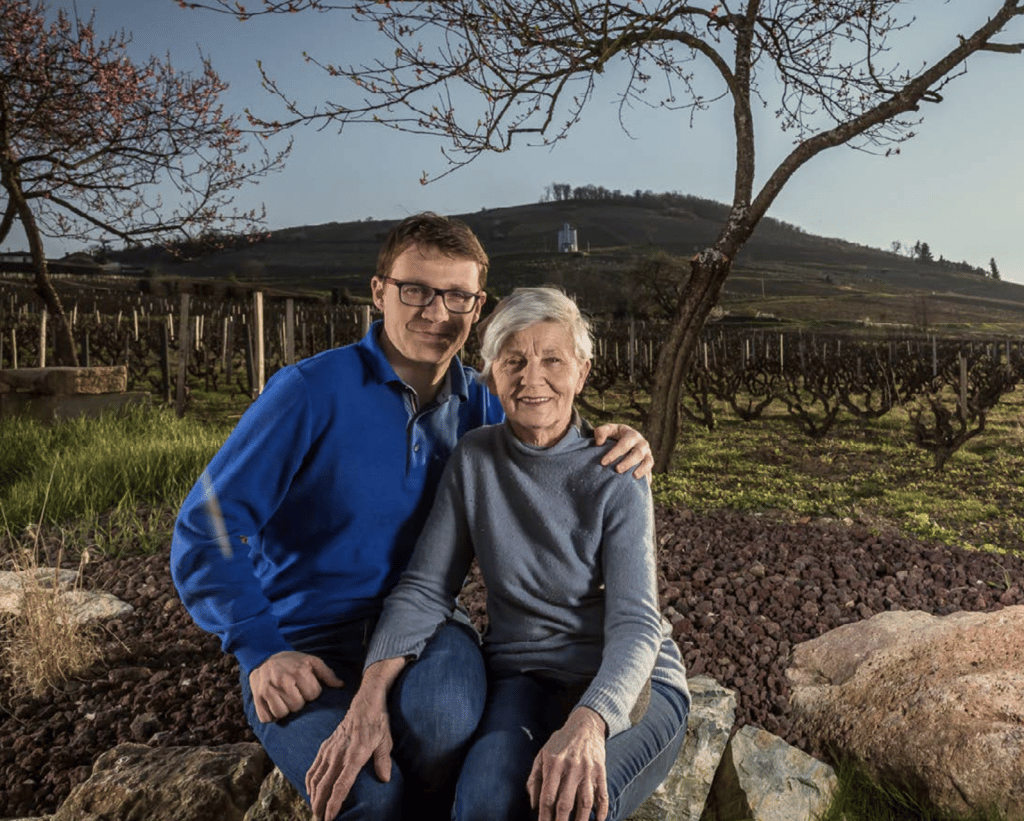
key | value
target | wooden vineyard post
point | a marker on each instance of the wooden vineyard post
(42, 338)
(289, 331)
(364, 320)
(85, 347)
(632, 351)
(963, 385)
(165, 361)
(14, 348)
(179, 399)
(229, 339)
(257, 338)
(250, 366)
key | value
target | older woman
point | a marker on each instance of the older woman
(587, 701)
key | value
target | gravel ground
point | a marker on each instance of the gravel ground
(740, 590)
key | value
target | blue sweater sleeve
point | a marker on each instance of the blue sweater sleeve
(250, 475)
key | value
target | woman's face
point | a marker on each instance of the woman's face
(536, 376)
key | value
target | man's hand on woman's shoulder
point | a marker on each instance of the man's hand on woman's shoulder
(630, 451)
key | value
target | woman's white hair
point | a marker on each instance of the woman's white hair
(526, 307)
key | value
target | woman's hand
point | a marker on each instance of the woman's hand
(568, 773)
(364, 733)
(630, 447)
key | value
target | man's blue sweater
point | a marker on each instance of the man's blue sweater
(324, 486)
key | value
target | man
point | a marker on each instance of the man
(323, 487)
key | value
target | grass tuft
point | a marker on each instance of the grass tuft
(43, 645)
(860, 797)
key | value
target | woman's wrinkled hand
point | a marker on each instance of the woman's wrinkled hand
(569, 772)
(362, 734)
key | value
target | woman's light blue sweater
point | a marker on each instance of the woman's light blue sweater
(566, 550)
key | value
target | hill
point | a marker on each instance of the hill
(782, 271)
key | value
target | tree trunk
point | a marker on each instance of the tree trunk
(66, 353)
(708, 272)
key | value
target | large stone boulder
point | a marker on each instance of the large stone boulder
(933, 703)
(133, 781)
(278, 800)
(77, 606)
(683, 793)
(762, 778)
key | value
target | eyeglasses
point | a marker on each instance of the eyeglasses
(416, 295)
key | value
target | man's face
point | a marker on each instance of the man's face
(430, 335)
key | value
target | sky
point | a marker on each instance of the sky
(958, 185)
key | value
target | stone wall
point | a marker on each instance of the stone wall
(53, 394)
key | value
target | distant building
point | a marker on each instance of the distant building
(567, 239)
(16, 256)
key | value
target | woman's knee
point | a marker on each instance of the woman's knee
(371, 798)
(441, 696)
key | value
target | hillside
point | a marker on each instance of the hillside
(782, 271)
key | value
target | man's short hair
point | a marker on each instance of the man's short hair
(431, 232)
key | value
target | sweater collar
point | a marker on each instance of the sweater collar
(384, 372)
(575, 438)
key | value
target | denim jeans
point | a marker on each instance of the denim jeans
(434, 708)
(521, 714)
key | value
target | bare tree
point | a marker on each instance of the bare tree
(534, 64)
(91, 143)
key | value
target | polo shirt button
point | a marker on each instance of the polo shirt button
(416, 448)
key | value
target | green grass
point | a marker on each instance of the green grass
(860, 797)
(870, 472)
(116, 481)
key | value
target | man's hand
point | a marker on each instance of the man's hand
(569, 771)
(364, 732)
(286, 682)
(630, 447)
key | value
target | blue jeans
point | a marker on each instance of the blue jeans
(434, 708)
(523, 711)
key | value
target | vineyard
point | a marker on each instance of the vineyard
(171, 345)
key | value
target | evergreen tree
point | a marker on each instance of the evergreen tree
(994, 268)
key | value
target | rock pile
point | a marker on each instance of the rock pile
(741, 590)
(754, 776)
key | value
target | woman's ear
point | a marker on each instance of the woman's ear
(584, 372)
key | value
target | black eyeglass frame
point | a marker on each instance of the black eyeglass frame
(435, 293)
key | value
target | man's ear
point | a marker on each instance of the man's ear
(377, 289)
(479, 306)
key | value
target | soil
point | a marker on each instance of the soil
(740, 589)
